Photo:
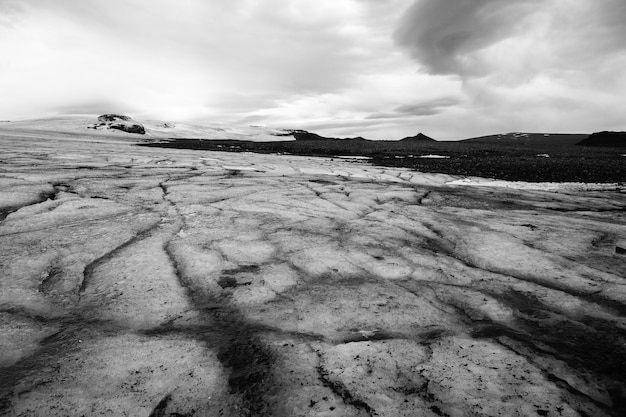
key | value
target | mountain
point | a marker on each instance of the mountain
(531, 139)
(420, 137)
(605, 139)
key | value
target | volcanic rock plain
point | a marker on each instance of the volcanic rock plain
(141, 281)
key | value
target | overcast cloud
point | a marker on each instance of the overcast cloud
(530, 64)
(376, 68)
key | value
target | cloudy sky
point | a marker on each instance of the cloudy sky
(382, 69)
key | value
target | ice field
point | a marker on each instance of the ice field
(144, 281)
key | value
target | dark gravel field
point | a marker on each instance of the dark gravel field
(506, 161)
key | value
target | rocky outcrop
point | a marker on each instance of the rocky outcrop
(118, 122)
(128, 128)
(113, 118)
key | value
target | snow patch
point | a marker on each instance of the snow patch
(542, 186)
(430, 156)
(352, 157)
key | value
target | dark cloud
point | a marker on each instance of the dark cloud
(451, 37)
(427, 107)
(551, 65)
(442, 35)
(388, 116)
(422, 108)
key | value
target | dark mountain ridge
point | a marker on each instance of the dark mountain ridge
(530, 139)
(303, 135)
(605, 140)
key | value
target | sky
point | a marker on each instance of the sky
(382, 69)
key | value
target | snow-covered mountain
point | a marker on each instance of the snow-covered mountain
(154, 129)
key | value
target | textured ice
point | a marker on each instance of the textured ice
(145, 281)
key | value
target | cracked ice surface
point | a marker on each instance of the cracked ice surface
(144, 281)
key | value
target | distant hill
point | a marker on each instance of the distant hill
(310, 136)
(420, 137)
(532, 139)
(605, 139)
(303, 135)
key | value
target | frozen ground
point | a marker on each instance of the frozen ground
(161, 282)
